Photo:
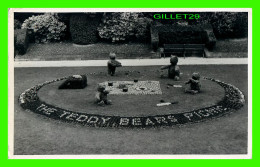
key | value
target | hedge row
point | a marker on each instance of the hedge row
(182, 34)
(21, 41)
(179, 34)
(83, 28)
(210, 40)
(154, 38)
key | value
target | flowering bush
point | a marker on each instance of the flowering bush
(124, 26)
(46, 27)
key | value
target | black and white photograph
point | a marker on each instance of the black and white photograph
(129, 83)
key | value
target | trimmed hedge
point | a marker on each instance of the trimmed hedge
(15, 51)
(180, 37)
(225, 24)
(83, 28)
(154, 39)
(211, 40)
(21, 40)
(182, 34)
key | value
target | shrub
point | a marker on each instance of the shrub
(182, 34)
(21, 40)
(17, 24)
(181, 37)
(65, 18)
(118, 27)
(15, 50)
(179, 34)
(211, 40)
(223, 23)
(142, 28)
(83, 28)
(226, 24)
(241, 25)
(46, 28)
(154, 39)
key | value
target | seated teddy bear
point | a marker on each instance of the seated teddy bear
(173, 68)
(101, 96)
(194, 84)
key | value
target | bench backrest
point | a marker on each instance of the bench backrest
(180, 47)
(195, 46)
(184, 49)
(169, 46)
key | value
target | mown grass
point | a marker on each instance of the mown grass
(70, 51)
(35, 134)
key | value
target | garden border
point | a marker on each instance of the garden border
(233, 100)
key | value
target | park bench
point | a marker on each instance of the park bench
(183, 49)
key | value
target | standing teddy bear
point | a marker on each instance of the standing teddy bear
(112, 64)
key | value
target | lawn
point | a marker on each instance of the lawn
(35, 134)
(70, 51)
(129, 105)
(230, 48)
(232, 45)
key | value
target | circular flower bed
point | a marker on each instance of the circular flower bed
(233, 100)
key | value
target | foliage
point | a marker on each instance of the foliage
(142, 28)
(223, 23)
(182, 34)
(226, 24)
(21, 40)
(178, 34)
(211, 40)
(241, 25)
(154, 39)
(46, 27)
(83, 28)
(65, 18)
(17, 24)
(124, 26)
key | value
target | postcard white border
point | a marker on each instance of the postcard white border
(112, 156)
